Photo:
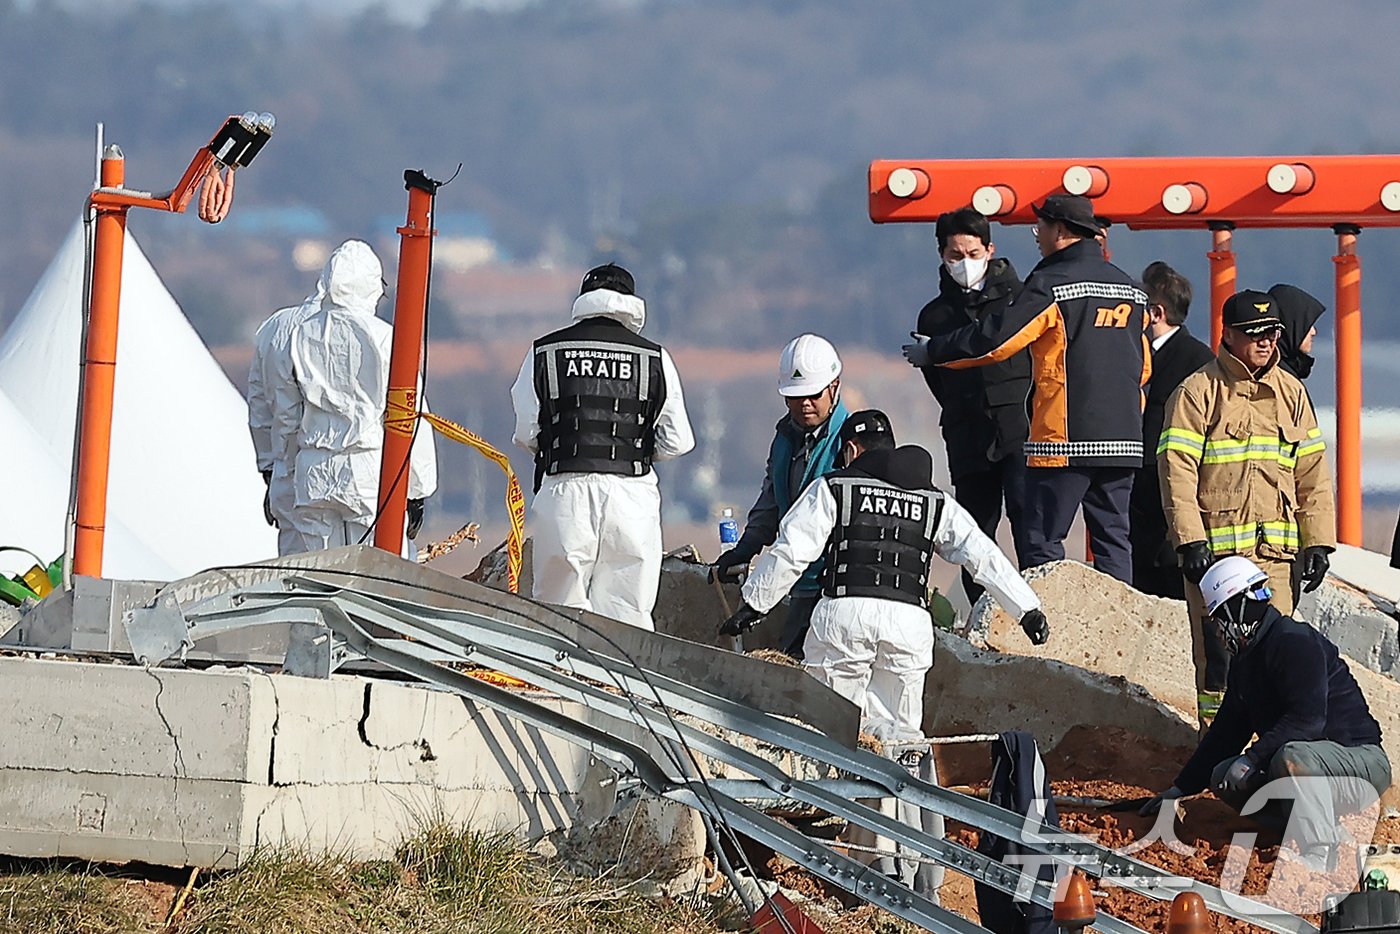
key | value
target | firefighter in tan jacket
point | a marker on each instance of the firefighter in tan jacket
(1244, 470)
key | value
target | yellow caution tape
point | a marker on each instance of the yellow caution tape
(403, 408)
(497, 678)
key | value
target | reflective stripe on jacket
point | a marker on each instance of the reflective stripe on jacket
(1242, 462)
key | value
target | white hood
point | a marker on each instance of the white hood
(353, 278)
(605, 303)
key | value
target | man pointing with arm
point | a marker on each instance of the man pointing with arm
(1083, 319)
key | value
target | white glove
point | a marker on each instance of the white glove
(1237, 776)
(917, 352)
(1155, 804)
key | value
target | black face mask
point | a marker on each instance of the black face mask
(1302, 364)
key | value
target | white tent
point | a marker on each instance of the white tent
(38, 497)
(183, 479)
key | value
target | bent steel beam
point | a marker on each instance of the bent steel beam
(555, 660)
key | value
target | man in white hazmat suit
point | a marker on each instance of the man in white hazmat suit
(271, 366)
(328, 415)
(879, 521)
(598, 404)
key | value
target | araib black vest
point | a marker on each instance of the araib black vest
(600, 388)
(882, 541)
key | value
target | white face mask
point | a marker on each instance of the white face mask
(968, 272)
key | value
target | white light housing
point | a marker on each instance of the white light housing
(1390, 196)
(1290, 178)
(908, 183)
(1088, 180)
(993, 200)
(267, 122)
(1184, 198)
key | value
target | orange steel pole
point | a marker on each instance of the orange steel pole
(1222, 275)
(405, 362)
(99, 374)
(1348, 345)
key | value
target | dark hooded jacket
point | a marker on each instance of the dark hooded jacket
(985, 416)
(1299, 311)
(1290, 685)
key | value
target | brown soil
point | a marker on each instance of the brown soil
(1206, 826)
(1113, 765)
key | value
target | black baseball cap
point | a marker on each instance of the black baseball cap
(1074, 211)
(608, 276)
(1251, 312)
(866, 421)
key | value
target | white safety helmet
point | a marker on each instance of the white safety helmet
(808, 365)
(1223, 581)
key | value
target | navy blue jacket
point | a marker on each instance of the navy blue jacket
(1291, 685)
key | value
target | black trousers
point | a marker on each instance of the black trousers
(1054, 494)
(1155, 567)
(982, 495)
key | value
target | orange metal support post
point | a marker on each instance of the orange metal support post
(99, 373)
(1222, 275)
(1348, 345)
(410, 320)
(233, 146)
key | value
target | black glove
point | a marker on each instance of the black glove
(729, 567)
(415, 517)
(1036, 627)
(1195, 559)
(1315, 564)
(744, 619)
(267, 499)
(1154, 804)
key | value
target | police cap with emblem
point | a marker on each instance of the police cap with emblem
(608, 276)
(867, 421)
(1251, 312)
(1074, 211)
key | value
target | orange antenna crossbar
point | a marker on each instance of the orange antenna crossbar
(234, 146)
(1177, 192)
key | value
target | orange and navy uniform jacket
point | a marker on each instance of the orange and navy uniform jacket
(1085, 322)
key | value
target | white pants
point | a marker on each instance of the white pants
(322, 527)
(912, 869)
(597, 544)
(875, 653)
(282, 500)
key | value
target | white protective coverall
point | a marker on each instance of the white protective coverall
(328, 417)
(871, 651)
(597, 537)
(272, 366)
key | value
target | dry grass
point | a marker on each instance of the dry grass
(443, 881)
(67, 899)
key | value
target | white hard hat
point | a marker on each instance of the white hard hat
(1227, 578)
(808, 365)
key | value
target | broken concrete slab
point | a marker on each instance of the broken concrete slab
(1352, 620)
(1103, 625)
(1367, 571)
(121, 719)
(975, 690)
(687, 605)
(1383, 697)
(176, 767)
(1116, 636)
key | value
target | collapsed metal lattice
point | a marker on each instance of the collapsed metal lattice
(421, 628)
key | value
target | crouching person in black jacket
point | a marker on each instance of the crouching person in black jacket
(1289, 686)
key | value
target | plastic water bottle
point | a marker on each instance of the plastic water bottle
(728, 530)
